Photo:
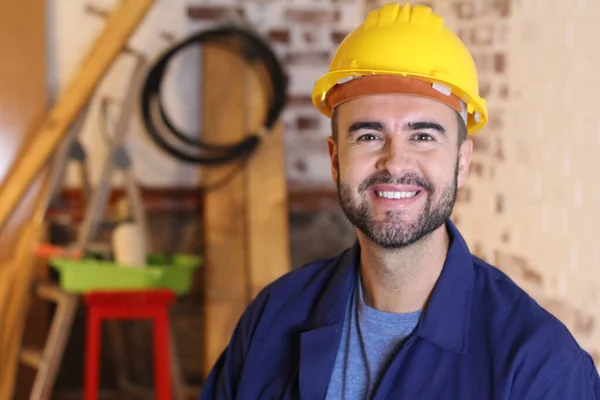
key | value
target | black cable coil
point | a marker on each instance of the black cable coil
(253, 48)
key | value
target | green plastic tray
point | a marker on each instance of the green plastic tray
(78, 276)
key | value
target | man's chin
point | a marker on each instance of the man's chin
(400, 220)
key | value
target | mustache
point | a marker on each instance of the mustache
(384, 178)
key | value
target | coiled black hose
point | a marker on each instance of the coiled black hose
(253, 48)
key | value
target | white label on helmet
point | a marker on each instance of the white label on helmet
(442, 88)
(477, 117)
(344, 80)
(464, 112)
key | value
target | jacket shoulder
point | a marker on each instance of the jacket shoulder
(501, 296)
(302, 281)
(535, 344)
(295, 290)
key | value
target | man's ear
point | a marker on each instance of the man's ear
(464, 161)
(333, 156)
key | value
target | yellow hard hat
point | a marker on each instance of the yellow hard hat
(409, 44)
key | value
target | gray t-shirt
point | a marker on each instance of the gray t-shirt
(369, 339)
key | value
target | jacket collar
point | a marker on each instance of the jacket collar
(446, 319)
(331, 307)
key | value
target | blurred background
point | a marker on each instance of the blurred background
(530, 206)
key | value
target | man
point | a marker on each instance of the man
(407, 312)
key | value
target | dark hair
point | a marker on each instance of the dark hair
(462, 127)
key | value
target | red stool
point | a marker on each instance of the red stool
(129, 304)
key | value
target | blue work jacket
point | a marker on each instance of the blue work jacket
(480, 337)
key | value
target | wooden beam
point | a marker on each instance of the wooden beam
(22, 106)
(267, 211)
(245, 222)
(119, 27)
(225, 269)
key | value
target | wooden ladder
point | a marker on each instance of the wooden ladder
(47, 361)
(52, 132)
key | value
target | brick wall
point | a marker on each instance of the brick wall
(531, 204)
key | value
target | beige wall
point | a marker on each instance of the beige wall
(533, 208)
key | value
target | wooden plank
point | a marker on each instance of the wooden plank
(119, 27)
(31, 357)
(267, 210)
(22, 106)
(246, 222)
(16, 311)
(225, 280)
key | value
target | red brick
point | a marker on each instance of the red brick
(207, 12)
(480, 144)
(312, 16)
(499, 204)
(463, 195)
(476, 168)
(279, 35)
(308, 123)
(338, 36)
(299, 101)
(503, 7)
(499, 63)
(312, 57)
(517, 267)
(532, 276)
(300, 165)
(309, 37)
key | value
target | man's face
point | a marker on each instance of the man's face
(397, 165)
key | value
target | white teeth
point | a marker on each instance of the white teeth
(395, 195)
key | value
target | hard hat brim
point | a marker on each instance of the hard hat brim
(477, 115)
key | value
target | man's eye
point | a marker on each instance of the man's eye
(422, 137)
(368, 137)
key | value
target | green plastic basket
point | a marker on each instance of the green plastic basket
(79, 276)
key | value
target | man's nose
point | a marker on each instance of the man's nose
(395, 158)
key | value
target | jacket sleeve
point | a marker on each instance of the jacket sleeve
(224, 377)
(579, 381)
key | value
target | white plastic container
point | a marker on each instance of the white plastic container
(129, 245)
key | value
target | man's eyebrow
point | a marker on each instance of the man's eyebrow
(371, 125)
(425, 125)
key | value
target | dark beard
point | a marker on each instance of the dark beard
(393, 233)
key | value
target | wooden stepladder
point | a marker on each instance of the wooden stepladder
(18, 276)
(48, 361)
